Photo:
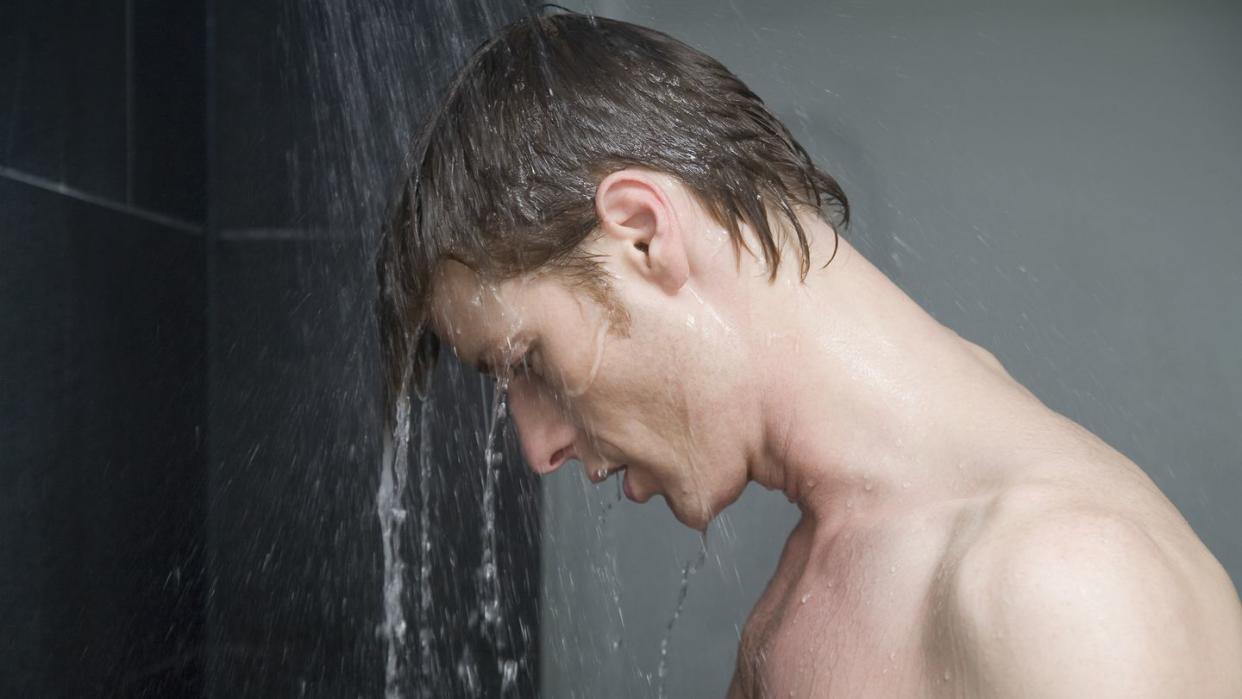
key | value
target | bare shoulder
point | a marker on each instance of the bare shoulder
(1058, 596)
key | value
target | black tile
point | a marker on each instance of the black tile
(169, 109)
(263, 117)
(314, 108)
(33, 303)
(294, 457)
(63, 91)
(101, 516)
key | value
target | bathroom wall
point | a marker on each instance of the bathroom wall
(313, 107)
(102, 362)
(1056, 181)
(189, 403)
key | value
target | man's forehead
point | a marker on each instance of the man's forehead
(468, 311)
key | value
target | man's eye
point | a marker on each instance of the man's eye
(523, 365)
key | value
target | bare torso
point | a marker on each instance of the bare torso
(869, 610)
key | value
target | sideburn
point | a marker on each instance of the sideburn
(589, 276)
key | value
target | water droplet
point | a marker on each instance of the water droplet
(892, 570)
(947, 675)
(508, 675)
(905, 484)
(491, 611)
(806, 597)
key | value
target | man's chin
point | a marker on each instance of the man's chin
(696, 518)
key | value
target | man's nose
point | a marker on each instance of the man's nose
(546, 434)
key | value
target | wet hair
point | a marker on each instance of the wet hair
(504, 171)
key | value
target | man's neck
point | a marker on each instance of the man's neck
(874, 405)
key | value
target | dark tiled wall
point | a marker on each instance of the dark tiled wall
(64, 91)
(294, 458)
(167, 134)
(102, 361)
(138, 557)
(295, 560)
(107, 98)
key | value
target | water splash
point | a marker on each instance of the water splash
(423, 617)
(603, 513)
(488, 579)
(390, 510)
(691, 568)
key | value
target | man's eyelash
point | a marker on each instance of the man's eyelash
(522, 363)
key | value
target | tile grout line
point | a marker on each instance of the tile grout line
(137, 212)
(129, 101)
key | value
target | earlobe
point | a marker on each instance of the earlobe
(634, 209)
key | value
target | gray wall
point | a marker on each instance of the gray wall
(1058, 183)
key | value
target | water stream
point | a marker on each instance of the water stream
(691, 568)
(488, 580)
(390, 509)
(423, 617)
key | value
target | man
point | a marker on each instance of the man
(616, 227)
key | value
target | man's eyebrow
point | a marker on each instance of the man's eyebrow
(481, 363)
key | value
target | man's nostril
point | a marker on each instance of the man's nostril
(557, 457)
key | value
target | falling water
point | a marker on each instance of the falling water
(423, 618)
(391, 512)
(608, 572)
(488, 581)
(361, 78)
(691, 568)
(603, 513)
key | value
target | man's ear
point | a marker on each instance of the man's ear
(635, 210)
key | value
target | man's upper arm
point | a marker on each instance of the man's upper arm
(1076, 605)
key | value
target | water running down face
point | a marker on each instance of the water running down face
(667, 402)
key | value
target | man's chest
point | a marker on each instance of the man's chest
(850, 625)
(831, 646)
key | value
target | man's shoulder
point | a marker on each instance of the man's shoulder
(1039, 531)
(1059, 594)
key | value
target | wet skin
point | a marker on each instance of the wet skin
(958, 536)
(1041, 589)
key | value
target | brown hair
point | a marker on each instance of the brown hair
(505, 168)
